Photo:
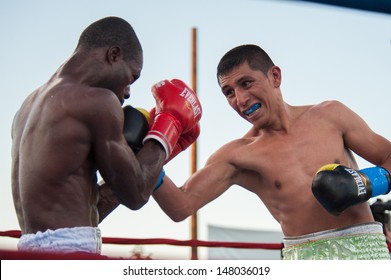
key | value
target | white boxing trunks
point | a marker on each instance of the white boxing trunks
(359, 242)
(63, 240)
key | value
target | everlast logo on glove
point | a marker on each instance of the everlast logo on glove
(338, 187)
(360, 181)
(189, 96)
(177, 113)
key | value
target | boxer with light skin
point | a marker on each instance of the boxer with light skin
(74, 126)
(278, 158)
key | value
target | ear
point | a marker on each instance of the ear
(275, 71)
(113, 54)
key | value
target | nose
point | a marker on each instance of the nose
(127, 92)
(242, 97)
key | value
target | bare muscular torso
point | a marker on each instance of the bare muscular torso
(279, 156)
(53, 176)
(279, 167)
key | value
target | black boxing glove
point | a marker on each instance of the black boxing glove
(136, 126)
(338, 187)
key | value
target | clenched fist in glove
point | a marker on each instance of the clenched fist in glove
(338, 187)
(177, 112)
(136, 126)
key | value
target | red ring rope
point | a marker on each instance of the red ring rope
(167, 241)
(8, 254)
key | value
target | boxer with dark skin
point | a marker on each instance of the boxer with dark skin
(279, 156)
(71, 128)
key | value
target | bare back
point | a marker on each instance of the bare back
(53, 177)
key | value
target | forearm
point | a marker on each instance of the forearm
(387, 163)
(134, 185)
(201, 188)
(378, 151)
(173, 200)
(107, 201)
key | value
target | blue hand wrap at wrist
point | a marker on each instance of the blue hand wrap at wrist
(379, 178)
(160, 180)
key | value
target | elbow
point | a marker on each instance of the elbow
(141, 201)
(135, 203)
(179, 216)
(136, 198)
(136, 207)
(178, 219)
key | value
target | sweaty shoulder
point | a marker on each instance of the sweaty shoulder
(100, 100)
(95, 107)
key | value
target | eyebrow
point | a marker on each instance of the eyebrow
(240, 80)
(245, 77)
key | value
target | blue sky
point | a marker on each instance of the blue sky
(324, 53)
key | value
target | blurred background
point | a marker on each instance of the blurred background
(325, 52)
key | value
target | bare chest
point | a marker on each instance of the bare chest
(288, 162)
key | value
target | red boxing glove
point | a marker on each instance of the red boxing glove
(178, 110)
(185, 141)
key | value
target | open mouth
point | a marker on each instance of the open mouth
(252, 109)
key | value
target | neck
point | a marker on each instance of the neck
(81, 68)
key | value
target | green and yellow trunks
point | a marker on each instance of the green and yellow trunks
(360, 242)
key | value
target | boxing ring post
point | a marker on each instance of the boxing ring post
(194, 226)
